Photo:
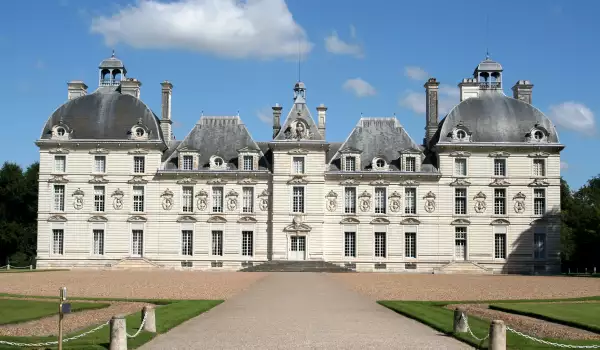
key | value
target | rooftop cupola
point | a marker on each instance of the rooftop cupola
(300, 93)
(112, 71)
(488, 74)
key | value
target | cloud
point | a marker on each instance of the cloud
(415, 101)
(415, 73)
(564, 165)
(359, 87)
(573, 116)
(337, 46)
(449, 90)
(263, 29)
(265, 115)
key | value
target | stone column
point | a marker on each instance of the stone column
(118, 333)
(148, 312)
(497, 335)
(460, 323)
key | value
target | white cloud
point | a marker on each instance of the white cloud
(415, 73)
(574, 116)
(228, 28)
(415, 101)
(265, 115)
(564, 165)
(335, 45)
(449, 90)
(359, 87)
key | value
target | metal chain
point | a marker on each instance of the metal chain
(569, 346)
(36, 345)
(464, 316)
(139, 329)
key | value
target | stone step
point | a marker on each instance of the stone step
(463, 267)
(296, 266)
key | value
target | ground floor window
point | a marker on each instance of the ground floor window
(137, 242)
(187, 242)
(217, 243)
(410, 244)
(380, 245)
(500, 246)
(247, 243)
(539, 244)
(98, 242)
(350, 244)
(58, 242)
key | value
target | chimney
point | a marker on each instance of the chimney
(468, 88)
(431, 92)
(76, 88)
(322, 113)
(522, 90)
(131, 86)
(165, 119)
(276, 119)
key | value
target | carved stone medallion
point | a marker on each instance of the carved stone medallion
(78, 199)
(429, 202)
(264, 200)
(118, 199)
(167, 199)
(519, 206)
(395, 202)
(480, 205)
(202, 202)
(365, 201)
(331, 201)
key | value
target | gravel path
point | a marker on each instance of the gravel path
(380, 286)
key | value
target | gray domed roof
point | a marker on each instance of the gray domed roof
(488, 65)
(104, 115)
(495, 117)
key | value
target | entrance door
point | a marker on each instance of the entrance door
(297, 248)
(137, 243)
(460, 244)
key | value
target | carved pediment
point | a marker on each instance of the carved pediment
(247, 181)
(380, 221)
(459, 154)
(350, 150)
(539, 154)
(480, 195)
(350, 220)
(500, 222)
(99, 150)
(520, 195)
(429, 195)
(499, 154)
(264, 193)
(410, 150)
(57, 218)
(395, 194)
(539, 183)
(118, 193)
(460, 182)
(499, 182)
(247, 219)
(186, 181)
(137, 179)
(59, 179)
(78, 193)
(98, 179)
(365, 194)
(217, 219)
(186, 218)
(138, 151)
(331, 194)
(297, 227)
(460, 221)
(58, 150)
(539, 222)
(297, 180)
(202, 193)
(410, 221)
(410, 183)
(248, 149)
(167, 193)
(380, 182)
(232, 193)
(137, 218)
(349, 182)
(216, 181)
(298, 151)
(97, 218)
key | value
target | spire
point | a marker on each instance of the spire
(113, 53)
(299, 93)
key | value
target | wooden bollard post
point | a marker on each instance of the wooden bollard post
(460, 323)
(497, 335)
(148, 313)
(118, 333)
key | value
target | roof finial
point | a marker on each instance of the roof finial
(487, 35)
(299, 60)
(113, 53)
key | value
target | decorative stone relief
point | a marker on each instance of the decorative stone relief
(216, 181)
(117, 196)
(232, 201)
(539, 183)
(331, 201)
(137, 218)
(429, 202)
(380, 221)
(480, 205)
(57, 218)
(167, 199)
(298, 130)
(98, 179)
(247, 220)
(410, 183)
(395, 201)
(539, 154)
(365, 201)
(186, 181)
(60, 179)
(58, 150)
(297, 226)
(460, 222)
(98, 218)
(350, 220)
(78, 199)
(460, 182)
(379, 182)
(186, 218)
(99, 150)
(216, 219)
(459, 154)
(297, 180)
(263, 200)
(519, 206)
(410, 221)
(247, 181)
(138, 150)
(137, 179)
(500, 222)
(202, 201)
(499, 154)
(498, 182)
(349, 182)
(297, 151)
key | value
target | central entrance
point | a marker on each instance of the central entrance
(137, 243)
(460, 244)
(297, 248)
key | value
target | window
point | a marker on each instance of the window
(60, 132)
(380, 163)
(247, 243)
(500, 201)
(59, 197)
(217, 199)
(539, 244)
(500, 242)
(100, 164)
(248, 162)
(539, 201)
(410, 205)
(298, 199)
(218, 161)
(380, 244)
(461, 134)
(98, 242)
(188, 162)
(139, 164)
(460, 166)
(217, 243)
(350, 200)
(350, 163)
(187, 242)
(410, 164)
(99, 198)
(499, 167)
(60, 164)
(138, 198)
(58, 243)
(139, 132)
(247, 199)
(460, 201)
(350, 244)
(380, 207)
(539, 167)
(298, 165)
(187, 199)
(538, 135)
(410, 244)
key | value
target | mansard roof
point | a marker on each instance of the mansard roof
(299, 113)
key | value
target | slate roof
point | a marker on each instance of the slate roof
(299, 111)
(488, 65)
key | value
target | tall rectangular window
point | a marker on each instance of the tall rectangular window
(460, 166)
(500, 243)
(411, 164)
(217, 199)
(410, 200)
(410, 244)
(349, 200)
(58, 243)
(460, 201)
(247, 199)
(138, 198)
(350, 163)
(539, 201)
(248, 162)
(59, 198)
(247, 243)
(499, 167)
(98, 242)
(380, 245)
(188, 162)
(139, 164)
(187, 199)
(187, 242)
(100, 164)
(298, 163)
(500, 201)
(60, 164)
(99, 198)
(350, 244)
(217, 243)
(380, 203)
(539, 244)
(539, 167)
(298, 199)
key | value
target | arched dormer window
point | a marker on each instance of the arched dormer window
(139, 131)
(537, 134)
(217, 163)
(61, 132)
(379, 164)
(460, 133)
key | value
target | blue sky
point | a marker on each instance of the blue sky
(369, 57)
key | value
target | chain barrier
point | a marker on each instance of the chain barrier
(568, 346)
(50, 343)
(464, 316)
(139, 329)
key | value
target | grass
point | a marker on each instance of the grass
(579, 315)
(441, 319)
(15, 311)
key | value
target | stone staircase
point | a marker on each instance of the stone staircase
(296, 266)
(463, 267)
(134, 264)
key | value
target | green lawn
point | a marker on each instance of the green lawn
(581, 315)
(14, 311)
(436, 316)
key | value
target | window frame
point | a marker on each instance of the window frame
(99, 202)
(189, 159)
(410, 163)
(303, 199)
(302, 162)
(350, 208)
(64, 164)
(380, 208)
(466, 171)
(350, 245)
(245, 250)
(543, 168)
(61, 235)
(500, 231)
(504, 163)
(353, 162)
(413, 208)
(62, 200)
(461, 199)
(189, 206)
(247, 207)
(413, 247)
(500, 200)
(378, 252)
(187, 245)
(102, 244)
(213, 198)
(143, 201)
(95, 168)
(136, 166)
(540, 232)
(244, 163)
(219, 248)
(543, 200)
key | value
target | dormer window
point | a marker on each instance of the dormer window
(60, 131)
(247, 159)
(410, 164)
(139, 132)
(411, 159)
(188, 162)
(379, 164)
(461, 134)
(350, 163)
(248, 163)
(217, 163)
(537, 134)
